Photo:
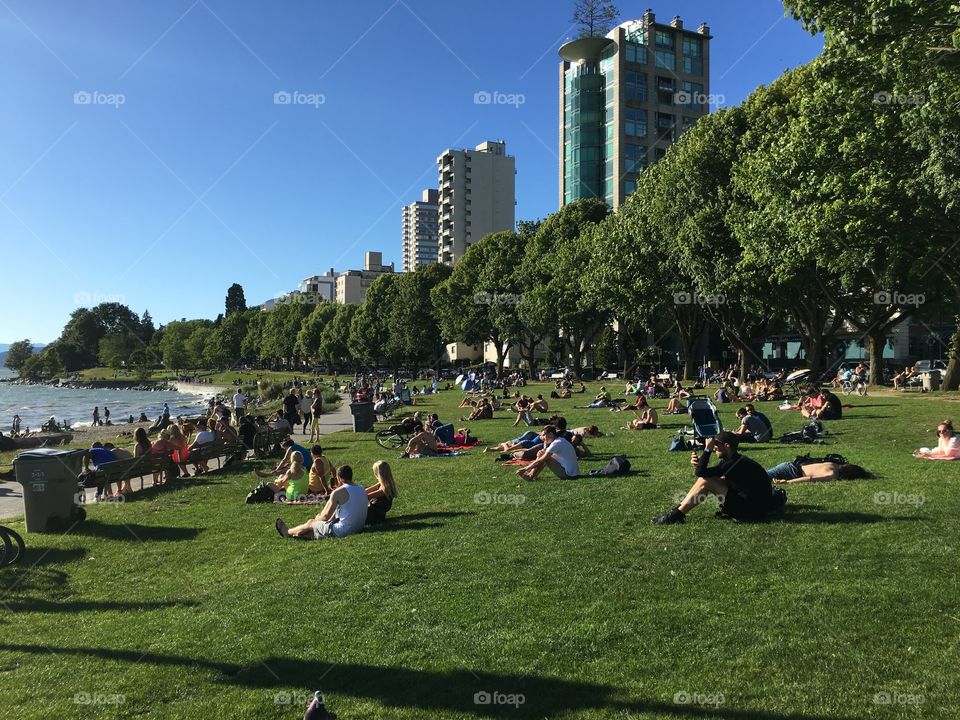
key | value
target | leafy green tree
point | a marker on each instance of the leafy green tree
(196, 345)
(594, 18)
(256, 322)
(18, 354)
(224, 347)
(173, 345)
(235, 302)
(116, 347)
(371, 340)
(280, 330)
(334, 340)
(308, 338)
(414, 325)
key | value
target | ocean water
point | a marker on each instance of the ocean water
(36, 403)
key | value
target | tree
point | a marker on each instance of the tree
(414, 325)
(308, 339)
(371, 340)
(173, 345)
(18, 354)
(334, 339)
(595, 17)
(236, 302)
(256, 321)
(224, 347)
(280, 330)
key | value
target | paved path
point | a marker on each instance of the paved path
(11, 493)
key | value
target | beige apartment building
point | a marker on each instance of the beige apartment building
(477, 197)
(352, 285)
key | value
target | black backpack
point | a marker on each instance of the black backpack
(618, 465)
(262, 493)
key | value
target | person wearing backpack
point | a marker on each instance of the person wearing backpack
(741, 484)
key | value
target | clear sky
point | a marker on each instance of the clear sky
(145, 160)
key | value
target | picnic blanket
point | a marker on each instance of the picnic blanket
(442, 452)
(280, 499)
(514, 462)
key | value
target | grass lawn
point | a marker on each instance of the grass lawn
(184, 603)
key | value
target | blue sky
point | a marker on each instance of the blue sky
(144, 159)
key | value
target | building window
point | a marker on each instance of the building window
(692, 94)
(629, 187)
(635, 158)
(636, 86)
(636, 32)
(665, 59)
(636, 53)
(664, 39)
(635, 122)
(659, 153)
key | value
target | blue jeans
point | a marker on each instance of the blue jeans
(785, 471)
(528, 440)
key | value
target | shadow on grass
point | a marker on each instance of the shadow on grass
(134, 531)
(149, 492)
(412, 522)
(460, 691)
(52, 606)
(815, 514)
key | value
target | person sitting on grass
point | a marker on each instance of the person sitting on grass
(558, 454)
(948, 445)
(741, 484)
(723, 393)
(483, 411)
(809, 469)
(423, 443)
(468, 401)
(382, 494)
(290, 447)
(292, 483)
(522, 408)
(321, 472)
(812, 402)
(752, 429)
(539, 405)
(344, 514)
(646, 418)
(603, 399)
(832, 408)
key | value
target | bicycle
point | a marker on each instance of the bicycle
(392, 438)
(854, 385)
(12, 549)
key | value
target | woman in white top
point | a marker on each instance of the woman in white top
(344, 514)
(948, 447)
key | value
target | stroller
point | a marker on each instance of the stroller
(706, 423)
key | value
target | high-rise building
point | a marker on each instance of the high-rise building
(352, 284)
(421, 237)
(477, 197)
(623, 99)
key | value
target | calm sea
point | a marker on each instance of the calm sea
(36, 403)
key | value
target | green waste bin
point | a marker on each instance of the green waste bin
(363, 417)
(50, 487)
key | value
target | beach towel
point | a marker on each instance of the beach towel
(442, 453)
(514, 462)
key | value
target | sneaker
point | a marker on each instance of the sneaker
(673, 516)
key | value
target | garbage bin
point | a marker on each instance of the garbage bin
(50, 488)
(362, 416)
(931, 381)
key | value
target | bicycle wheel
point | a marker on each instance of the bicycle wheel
(13, 546)
(847, 387)
(389, 440)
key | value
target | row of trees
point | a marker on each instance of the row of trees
(826, 202)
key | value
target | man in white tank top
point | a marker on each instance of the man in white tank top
(344, 514)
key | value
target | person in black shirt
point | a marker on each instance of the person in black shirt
(832, 407)
(741, 484)
(291, 406)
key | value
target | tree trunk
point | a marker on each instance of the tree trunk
(951, 378)
(876, 341)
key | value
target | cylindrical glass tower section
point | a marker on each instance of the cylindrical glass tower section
(583, 119)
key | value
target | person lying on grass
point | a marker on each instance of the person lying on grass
(382, 494)
(948, 446)
(638, 405)
(321, 472)
(483, 411)
(293, 482)
(524, 442)
(422, 443)
(809, 469)
(290, 448)
(584, 432)
(741, 484)
(558, 454)
(344, 514)
(603, 399)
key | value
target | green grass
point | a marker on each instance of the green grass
(186, 603)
